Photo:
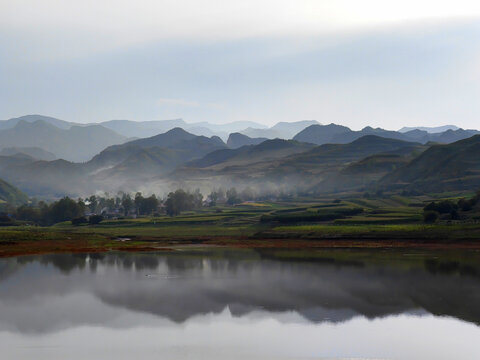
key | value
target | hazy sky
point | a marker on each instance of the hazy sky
(357, 63)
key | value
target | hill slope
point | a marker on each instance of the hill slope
(181, 145)
(266, 151)
(11, 195)
(291, 165)
(454, 166)
(34, 152)
(360, 148)
(342, 167)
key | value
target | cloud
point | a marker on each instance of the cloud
(352, 62)
(58, 28)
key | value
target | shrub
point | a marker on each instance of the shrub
(442, 207)
(79, 220)
(5, 220)
(465, 205)
(95, 219)
(454, 215)
(430, 217)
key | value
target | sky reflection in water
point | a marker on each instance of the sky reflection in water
(238, 305)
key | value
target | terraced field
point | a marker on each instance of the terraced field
(353, 222)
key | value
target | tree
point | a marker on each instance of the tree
(95, 219)
(65, 209)
(5, 220)
(148, 205)
(430, 217)
(138, 200)
(28, 213)
(442, 207)
(179, 201)
(232, 197)
(127, 204)
(110, 204)
(197, 199)
(465, 205)
(92, 200)
(213, 197)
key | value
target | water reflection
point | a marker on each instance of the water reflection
(239, 291)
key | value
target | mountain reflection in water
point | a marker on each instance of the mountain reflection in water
(302, 301)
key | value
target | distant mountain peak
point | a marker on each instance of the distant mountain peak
(177, 131)
(431, 130)
(237, 140)
(61, 124)
(37, 124)
(377, 139)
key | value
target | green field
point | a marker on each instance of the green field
(263, 224)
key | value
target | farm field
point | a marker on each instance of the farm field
(357, 222)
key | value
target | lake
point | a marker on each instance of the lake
(241, 304)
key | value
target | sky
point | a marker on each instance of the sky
(356, 63)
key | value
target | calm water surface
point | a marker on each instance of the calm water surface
(225, 304)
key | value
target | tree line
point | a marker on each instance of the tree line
(449, 209)
(93, 209)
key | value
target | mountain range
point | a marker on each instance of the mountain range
(147, 128)
(80, 142)
(117, 167)
(49, 158)
(337, 134)
(77, 143)
(431, 130)
(281, 130)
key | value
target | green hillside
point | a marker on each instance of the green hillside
(454, 166)
(300, 166)
(356, 150)
(265, 151)
(11, 195)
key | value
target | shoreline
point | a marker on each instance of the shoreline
(74, 245)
